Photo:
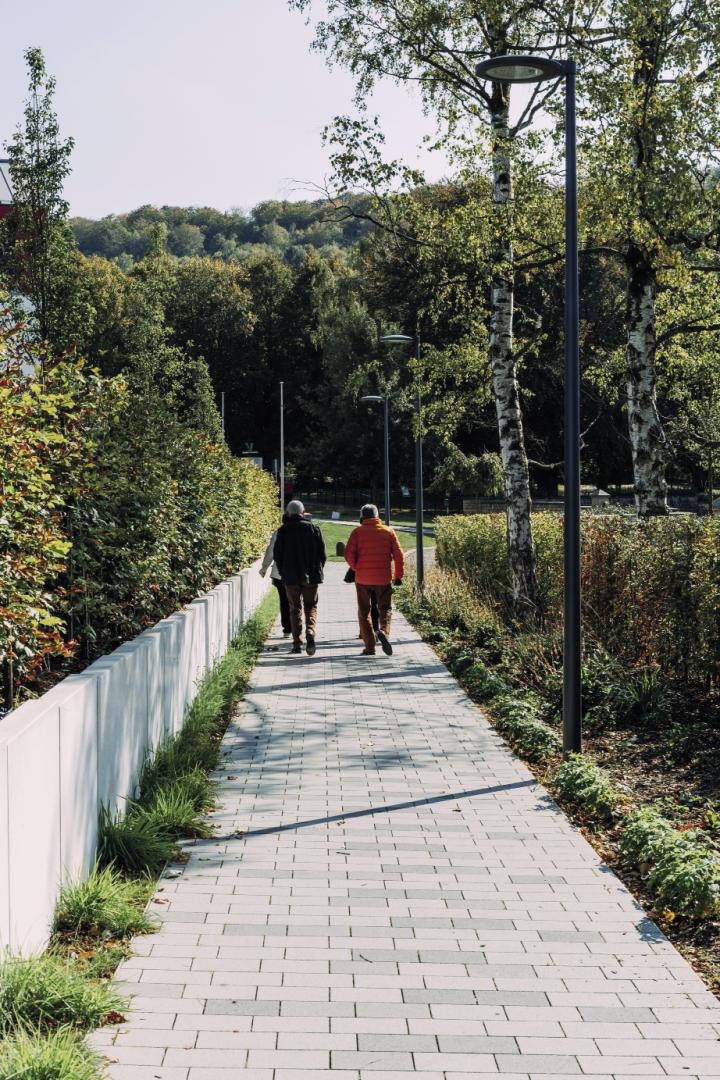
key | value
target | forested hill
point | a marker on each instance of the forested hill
(286, 228)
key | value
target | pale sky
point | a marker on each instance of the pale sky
(215, 103)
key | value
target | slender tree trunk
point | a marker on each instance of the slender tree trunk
(647, 437)
(521, 550)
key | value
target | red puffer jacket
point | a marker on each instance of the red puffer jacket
(371, 549)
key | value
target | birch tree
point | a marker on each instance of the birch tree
(435, 44)
(650, 80)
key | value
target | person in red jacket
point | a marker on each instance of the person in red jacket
(375, 555)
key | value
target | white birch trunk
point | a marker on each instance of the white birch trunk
(647, 437)
(521, 550)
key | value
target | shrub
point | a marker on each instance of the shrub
(519, 721)
(684, 872)
(646, 835)
(105, 904)
(482, 683)
(651, 589)
(57, 1055)
(686, 878)
(580, 782)
(46, 992)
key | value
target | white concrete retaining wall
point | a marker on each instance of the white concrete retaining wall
(82, 745)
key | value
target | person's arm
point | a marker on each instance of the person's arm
(268, 556)
(279, 550)
(320, 540)
(398, 558)
(351, 550)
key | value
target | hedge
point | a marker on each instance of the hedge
(651, 589)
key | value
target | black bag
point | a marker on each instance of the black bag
(350, 576)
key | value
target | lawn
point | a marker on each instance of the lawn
(340, 530)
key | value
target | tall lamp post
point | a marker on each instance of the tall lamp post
(386, 411)
(402, 339)
(533, 69)
(282, 447)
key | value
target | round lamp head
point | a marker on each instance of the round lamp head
(520, 69)
(372, 397)
(396, 339)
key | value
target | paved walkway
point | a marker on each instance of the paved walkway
(392, 892)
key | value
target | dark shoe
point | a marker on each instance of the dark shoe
(310, 646)
(368, 652)
(384, 643)
(296, 649)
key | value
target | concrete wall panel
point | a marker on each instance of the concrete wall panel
(82, 745)
(32, 738)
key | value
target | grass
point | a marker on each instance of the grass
(174, 786)
(47, 992)
(105, 904)
(337, 530)
(57, 1055)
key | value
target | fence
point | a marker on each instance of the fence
(82, 744)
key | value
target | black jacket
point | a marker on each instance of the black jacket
(300, 552)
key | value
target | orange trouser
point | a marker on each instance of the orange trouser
(383, 595)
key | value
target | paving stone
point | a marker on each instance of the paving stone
(391, 891)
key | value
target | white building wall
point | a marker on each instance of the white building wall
(83, 743)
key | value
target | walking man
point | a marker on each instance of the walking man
(375, 555)
(299, 554)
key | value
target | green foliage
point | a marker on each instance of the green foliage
(470, 474)
(583, 784)
(133, 842)
(518, 719)
(683, 871)
(172, 812)
(55, 1055)
(46, 992)
(646, 834)
(651, 594)
(104, 904)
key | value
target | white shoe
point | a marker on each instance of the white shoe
(286, 635)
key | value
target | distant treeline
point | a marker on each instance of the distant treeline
(286, 228)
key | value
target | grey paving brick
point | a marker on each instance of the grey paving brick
(390, 892)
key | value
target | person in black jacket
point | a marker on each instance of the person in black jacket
(300, 557)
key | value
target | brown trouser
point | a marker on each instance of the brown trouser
(299, 597)
(383, 595)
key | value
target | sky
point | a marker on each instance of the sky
(171, 102)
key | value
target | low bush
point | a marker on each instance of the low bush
(581, 783)
(105, 904)
(57, 1055)
(646, 835)
(46, 992)
(686, 878)
(682, 870)
(518, 719)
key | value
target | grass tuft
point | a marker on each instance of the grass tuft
(58, 1055)
(105, 905)
(46, 992)
(132, 843)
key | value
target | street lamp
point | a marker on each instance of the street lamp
(378, 397)
(530, 69)
(282, 447)
(403, 339)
